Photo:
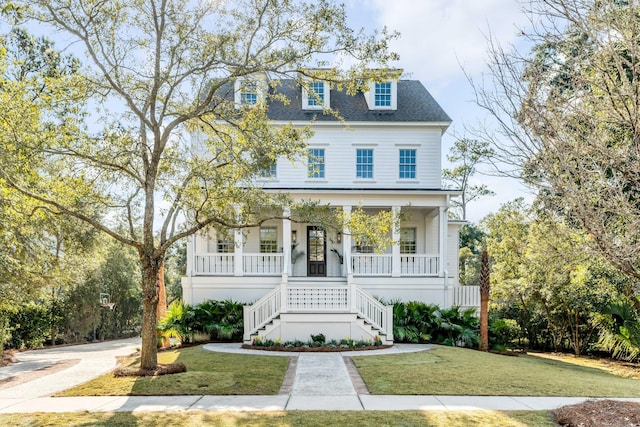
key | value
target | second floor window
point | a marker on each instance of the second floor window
(407, 164)
(316, 94)
(315, 163)
(383, 94)
(248, 93)
(268, 240)
(408, 240)
(364, 163)
(269, 173)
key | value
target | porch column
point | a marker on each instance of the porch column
(395, 247)
(191, 252)
(238, 257)
(286, 244)
(346, 245)
(442, 245)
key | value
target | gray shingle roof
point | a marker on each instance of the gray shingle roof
(415, 104)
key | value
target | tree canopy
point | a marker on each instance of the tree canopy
(568, 114)
(115, 139)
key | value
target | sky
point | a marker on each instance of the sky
(440, 41)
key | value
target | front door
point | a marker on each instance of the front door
(317, 250)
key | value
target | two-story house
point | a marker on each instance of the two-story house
(301, 279)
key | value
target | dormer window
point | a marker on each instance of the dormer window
(316, 95)
(249, 91)
(382, 95)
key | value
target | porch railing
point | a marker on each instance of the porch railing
(214, 264)
(419, 265)
(371, 264)
(466, 296)
(263, 264)
(261, 312)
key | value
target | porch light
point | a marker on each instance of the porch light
(339, 237)
(294, 236)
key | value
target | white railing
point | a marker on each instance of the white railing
(466, 296)
(419, 265)
(261, 312)
(371, 264)
(214, 264)
(379, 315)
(307, 298)
(263, 264)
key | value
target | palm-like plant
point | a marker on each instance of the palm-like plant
(620, 331)
(178, 322)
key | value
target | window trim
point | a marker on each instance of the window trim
(310, 103)
(370, 95)
(273, 244)
(363, 168)
(408, 244)
(312, 163)
(402, 165)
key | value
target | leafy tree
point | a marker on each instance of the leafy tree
(471, 246)
(544, 277)
(156, 70)
(466, 155)
(569, 110)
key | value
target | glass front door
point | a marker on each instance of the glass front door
(317, 250)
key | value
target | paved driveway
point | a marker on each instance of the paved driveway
(92, 360)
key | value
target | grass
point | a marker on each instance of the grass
(283, 419)
(207, 373)
(457, 371)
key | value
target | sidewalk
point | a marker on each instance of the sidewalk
(322, 382)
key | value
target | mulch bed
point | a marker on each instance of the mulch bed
(161, 369)
(313, 349)
(599, 413)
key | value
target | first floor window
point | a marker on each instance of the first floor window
(316, 163)
(364, 246)
(268, 240)
(407, 164)
(408, 240)
(225, 243)
(364, 163)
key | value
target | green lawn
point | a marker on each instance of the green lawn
(292, 418)
(207, 373)
(457, 371)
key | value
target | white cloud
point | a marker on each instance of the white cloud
(440, 35)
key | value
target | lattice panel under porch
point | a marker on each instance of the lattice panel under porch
(318, 299)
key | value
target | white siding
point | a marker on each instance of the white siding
(340, 145)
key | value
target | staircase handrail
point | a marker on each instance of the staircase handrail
(374, 312)
(261, 312)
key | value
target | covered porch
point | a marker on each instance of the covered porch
(286, 249)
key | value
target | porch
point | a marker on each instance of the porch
(418, 248)
(265, 264)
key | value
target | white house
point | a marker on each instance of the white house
(300, 279)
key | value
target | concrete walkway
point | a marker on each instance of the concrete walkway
(322, 381)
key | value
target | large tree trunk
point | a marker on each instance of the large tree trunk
(161, 311)
(485, 288)
(148, 349)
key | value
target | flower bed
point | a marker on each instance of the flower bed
(317, 343)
